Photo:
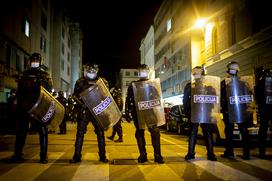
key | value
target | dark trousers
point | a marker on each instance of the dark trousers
(207, 130)
(21, 134)
(265, 117)
(155, 139)
(82, 123)
(229, 127)
(117, 128)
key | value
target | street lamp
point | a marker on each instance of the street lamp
(200, 23)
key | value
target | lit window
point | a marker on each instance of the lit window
(26, 27)
(168, 25)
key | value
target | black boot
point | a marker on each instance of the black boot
(101, 147)
(119, 133)
(110, 137)
(141, 146)
(43, 146)
(192, 141)
(78, 147)
(155, 139)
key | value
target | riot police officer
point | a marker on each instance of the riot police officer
(63, 101)
(117, 128)
(234, 110)
(263, 92)
(28, 92)
(154, 130)
(89, 78)
(207, 128)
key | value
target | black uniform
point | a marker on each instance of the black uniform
(28, 93)
(83, 118)
(207, 128)
(154, 130)
(229, 125)
(117, 128)
(63, 126)
(263, 92)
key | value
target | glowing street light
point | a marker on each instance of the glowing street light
(200, 23)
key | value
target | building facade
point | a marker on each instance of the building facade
(126, 77)
(28, 26)
(147, 51)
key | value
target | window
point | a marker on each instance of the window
(44, 3)
(43, 43)
(168, 25)
(62, 48)
(68, 57)
(63, 32)
(62, 64)
(69, 42)
(214, 41)
(135, 73)
(233, 31)
(26, 27)
(44, 21)
(68, 70)
(127, 73)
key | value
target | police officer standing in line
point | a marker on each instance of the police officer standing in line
(154, 130)
(235, 112)
(63, 101)
(84, 115)
(117, 128)
(207, 128)
(28, 92)
(263, 93)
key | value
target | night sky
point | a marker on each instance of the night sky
(113, 31)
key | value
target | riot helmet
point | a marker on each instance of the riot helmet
(61, 94)
(197, 72)
(233, 68)
(91, 71)
(35, 60)
(268, 72)
(143, 71)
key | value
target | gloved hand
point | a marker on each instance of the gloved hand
(128, 118)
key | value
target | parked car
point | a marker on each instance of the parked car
(177, 122)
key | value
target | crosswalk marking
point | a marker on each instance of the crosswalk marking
(257, 162)
(30, 171)
(222, 171)
(90, 171)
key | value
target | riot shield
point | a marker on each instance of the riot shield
(268, 91)
(149, 107)
(47, 110)
(239, 92)
(205, 96)
(101, 104)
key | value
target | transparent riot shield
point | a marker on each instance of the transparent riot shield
(239, 92)
(47, 110)
(101, 104)
(268, 91)
(205, 96)
(148, 101)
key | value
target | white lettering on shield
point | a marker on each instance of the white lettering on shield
(206, 99)
(49, 113)
(102, 106)
(268, 99)
(244, 99)
(144, 105)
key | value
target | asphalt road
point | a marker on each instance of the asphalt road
(123, 160)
